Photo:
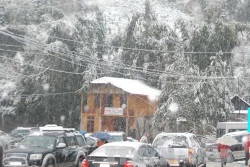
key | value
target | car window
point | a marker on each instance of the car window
(171, 140)
(152, 152)
(143, 152)
(60, 140)
(81, 141)
(70, 141)
(239, 138)
(194, 142)
(124, 137)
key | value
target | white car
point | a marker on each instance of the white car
(180, 149)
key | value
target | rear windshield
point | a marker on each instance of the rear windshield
(116, 138)
(114, 151)
(173, 141)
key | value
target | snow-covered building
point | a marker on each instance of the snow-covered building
(118, 104)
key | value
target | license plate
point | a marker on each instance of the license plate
(172, 161)
(16, 163)
(104, 165)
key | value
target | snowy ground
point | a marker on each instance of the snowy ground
(234, 164)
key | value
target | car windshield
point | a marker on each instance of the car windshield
(20, 132)
(38, 141)
(114, 151)
(173, 141)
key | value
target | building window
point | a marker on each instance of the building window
(108, 100)
(90, 124)
(84, 103)
(123, 100)
(97, 100)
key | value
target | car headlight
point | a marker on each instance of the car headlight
(35, 156)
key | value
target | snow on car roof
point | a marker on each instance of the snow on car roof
(125, 144)
(181, 134)
(129, 85)
(244, 132)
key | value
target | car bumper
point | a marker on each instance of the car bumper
(213, 156)
(17, 162)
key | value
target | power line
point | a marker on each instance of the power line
(158, 72)
(43, 94)
(146, 50)
(46, 68)
(170, 74)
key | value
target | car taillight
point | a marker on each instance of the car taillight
(190, 151)
(128, 164)
(85, 163)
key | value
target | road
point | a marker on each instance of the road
(234, 164)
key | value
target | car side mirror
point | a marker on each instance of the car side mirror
(61, 145)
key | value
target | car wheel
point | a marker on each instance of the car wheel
(79, 163)
(50, 164)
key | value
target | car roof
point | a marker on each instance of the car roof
(115, 132)
(181, 134)
(125, 144)
(25, 128)
(49, 133)
(237, 133)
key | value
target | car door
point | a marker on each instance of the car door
(60, 153)
(153, 156)
(238, 149)
(144, 156)
(199, 153)
(71, 149)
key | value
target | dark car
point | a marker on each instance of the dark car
(124, 154)
(47, 148)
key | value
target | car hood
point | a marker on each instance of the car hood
(31, 150)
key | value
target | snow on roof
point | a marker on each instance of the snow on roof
(240, 112)
(130, 86)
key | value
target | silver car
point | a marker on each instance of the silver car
(180, 149)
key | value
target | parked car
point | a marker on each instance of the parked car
(237, 150)
(46, 148)
(180, 149)
(125, 154)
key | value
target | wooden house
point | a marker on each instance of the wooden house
(117, 104)
(240, 109)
